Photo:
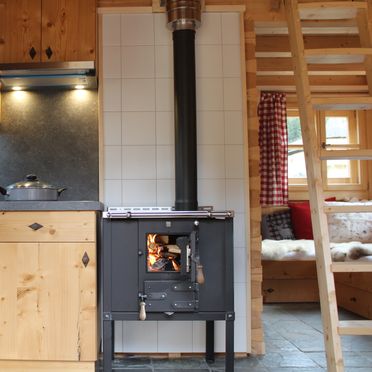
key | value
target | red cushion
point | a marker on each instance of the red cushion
(301, 220)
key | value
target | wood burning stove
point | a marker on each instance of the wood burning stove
(165, 264)
(168, 265)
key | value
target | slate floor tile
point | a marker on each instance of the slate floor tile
(183, 370)
(289, 360)
(180, 364)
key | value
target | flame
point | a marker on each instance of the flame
(153, 250)
(154, 253)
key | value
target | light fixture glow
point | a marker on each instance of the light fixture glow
(79, 86)
(17, 89)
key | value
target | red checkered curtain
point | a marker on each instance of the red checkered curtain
(273, 140)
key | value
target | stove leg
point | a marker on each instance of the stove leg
(229, 358)
(209, 354)
(108, 345)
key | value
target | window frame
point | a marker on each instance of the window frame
(359, 169)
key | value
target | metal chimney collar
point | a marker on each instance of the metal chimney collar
(184, 14)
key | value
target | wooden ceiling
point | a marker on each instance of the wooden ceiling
(340, 69)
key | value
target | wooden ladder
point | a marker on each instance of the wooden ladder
(297, 12)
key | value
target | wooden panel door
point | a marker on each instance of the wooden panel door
(20, 31)
(68, 30)
(48, 301)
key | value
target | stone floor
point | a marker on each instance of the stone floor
(294, 342)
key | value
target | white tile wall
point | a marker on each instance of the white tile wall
(139, 146)
(138, 95)
(139, 128)
(138, 61)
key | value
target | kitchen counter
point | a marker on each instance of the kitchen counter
(51, 206)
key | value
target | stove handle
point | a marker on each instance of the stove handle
(142, 313)
(195, 258)
(142, 305)
(200, 278)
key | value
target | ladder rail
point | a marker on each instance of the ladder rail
(326, 282)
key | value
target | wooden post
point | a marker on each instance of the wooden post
(258, 345)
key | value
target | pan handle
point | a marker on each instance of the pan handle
(60, 191)
(3, 191)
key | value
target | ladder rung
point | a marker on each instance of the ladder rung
(337, 55)
(355, 327)
(330, 10)
(352, 208)
(365, 154)
(352, 267)
(342, 103)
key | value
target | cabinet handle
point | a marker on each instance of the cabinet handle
(35, 226)
(49, 52)
(85, 259)
(32, 53)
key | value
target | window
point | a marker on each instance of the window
(296, 156)
(338, 130)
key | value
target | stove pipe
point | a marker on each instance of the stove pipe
(183, 19)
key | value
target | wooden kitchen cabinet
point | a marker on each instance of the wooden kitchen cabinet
(47, 30)
(48, 296)
(20, 30)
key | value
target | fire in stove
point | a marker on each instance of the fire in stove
(163, 253)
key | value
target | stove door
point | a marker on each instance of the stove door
(167, 267)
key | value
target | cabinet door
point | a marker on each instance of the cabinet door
(20, 32)
(48, 301)
(68, 30)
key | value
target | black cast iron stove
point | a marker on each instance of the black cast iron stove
(168, 265)
(165, 263)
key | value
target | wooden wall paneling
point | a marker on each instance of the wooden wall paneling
(275, 43)
(19, 30)
(258, 346)
(69, 29)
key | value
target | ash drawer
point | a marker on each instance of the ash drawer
(71, 226)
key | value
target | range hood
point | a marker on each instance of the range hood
(48, 74)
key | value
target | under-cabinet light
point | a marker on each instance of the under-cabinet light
(79, 86)
(17, 89)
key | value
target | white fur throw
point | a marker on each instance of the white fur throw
(304, 250)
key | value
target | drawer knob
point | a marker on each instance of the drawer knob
(35, 226)
(85, 259)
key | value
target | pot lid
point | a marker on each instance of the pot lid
(31, 181)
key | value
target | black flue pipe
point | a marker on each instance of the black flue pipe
(185, 120)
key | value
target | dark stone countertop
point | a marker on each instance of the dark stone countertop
(51, 206)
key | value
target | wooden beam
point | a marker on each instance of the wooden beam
(285, 64)
(314, 80)
(352, 208)
(355, 327)
(311, 27)
(337, 55)
(330, 9)
(352, 267)
(316, 89)
(364, 154)
(342, 103)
